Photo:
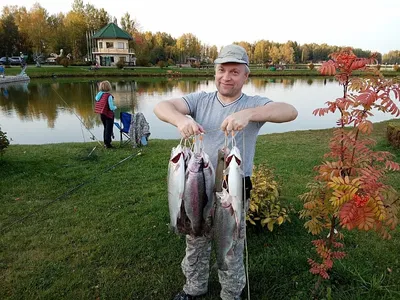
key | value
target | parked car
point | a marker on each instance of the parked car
(13, 60)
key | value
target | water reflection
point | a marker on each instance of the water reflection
(52, 111)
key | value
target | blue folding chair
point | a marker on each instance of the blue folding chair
(123, 126)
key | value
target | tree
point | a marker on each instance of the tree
(95, 18)
(188, 46)
(275, 54)
(37, 34)
(261, 52)
(129, 25)
(75, 25)
(58, 35)
(392, 57)
(213, 52)
(10, 35)
(349, 191)
(287, 53)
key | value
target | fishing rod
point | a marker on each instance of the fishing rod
(80, 120)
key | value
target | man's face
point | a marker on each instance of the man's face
(229, 79)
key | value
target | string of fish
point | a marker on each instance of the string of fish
(194, 207)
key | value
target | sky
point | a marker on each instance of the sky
(369, 25)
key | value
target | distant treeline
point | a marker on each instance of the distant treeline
(37, 33)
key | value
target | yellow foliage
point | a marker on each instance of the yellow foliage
(265, 207)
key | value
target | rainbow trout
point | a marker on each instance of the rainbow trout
(225, 229)
(235, 182)
(195, 195)
(176, 184)
(209, 178)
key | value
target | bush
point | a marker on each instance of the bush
(81, 63)
(161, 64)
(311, 66)
(4, 142)
(120, 64)
(170, 62)
(65, 62)
(396, 67)
(393, 135)
(265, 206)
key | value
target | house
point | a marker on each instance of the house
(112, 45)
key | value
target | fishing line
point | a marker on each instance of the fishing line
(245, 227)
(70, 191)
(80, 120)
(83, 135)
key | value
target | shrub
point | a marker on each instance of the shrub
(81, 63)
(265, 206)
(349, 190)
(65, 62)
(120, 64)
(311, 66)
(4, 142)
(393, 135)
(396, 67)
(161, 64)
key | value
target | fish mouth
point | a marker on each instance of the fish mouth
(176, 158)
(229, 158)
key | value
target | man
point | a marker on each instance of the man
(214, 114)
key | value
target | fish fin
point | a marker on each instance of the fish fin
(226, 171)
(230, 252)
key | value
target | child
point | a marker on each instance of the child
(105, 107)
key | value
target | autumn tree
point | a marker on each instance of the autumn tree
(349, 191)
(75, 25)
(38, 33)
(213, 52)
(10, 35)
(261, 51)
(95, 18)
(58, 35)
(275, 54)
(392, 57)
(188, 46)
(287, 53)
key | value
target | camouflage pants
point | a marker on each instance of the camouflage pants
(196, 266)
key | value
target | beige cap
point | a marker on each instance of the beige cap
(232, 54)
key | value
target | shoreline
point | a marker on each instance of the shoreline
(46, 71)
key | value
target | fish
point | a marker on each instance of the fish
(209, 178)
(221, 165)
(194, 196)
(235, 182)
(225, 228)
(176, 185)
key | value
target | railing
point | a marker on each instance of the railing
(112, 50)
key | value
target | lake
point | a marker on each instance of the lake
(61, 110)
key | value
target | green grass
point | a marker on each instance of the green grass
(47, 71)
(75, 226)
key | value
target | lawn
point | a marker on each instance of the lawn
(83, 224)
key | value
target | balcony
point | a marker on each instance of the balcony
(112, 51)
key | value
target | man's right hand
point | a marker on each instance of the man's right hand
(189, 127)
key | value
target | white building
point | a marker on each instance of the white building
(112, 45)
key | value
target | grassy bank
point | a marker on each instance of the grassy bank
(47, 71)
(75, 226)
